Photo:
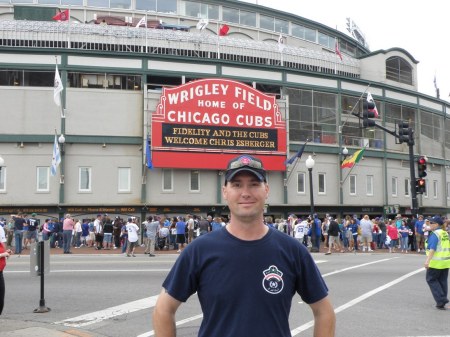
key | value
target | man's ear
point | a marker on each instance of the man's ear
(224, 193)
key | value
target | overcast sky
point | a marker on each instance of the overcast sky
(417, 27)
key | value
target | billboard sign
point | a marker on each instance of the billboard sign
(203, 124)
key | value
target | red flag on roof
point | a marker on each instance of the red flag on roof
(62, 16)
(224, 30)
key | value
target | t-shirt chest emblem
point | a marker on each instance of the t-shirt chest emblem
(273, 280)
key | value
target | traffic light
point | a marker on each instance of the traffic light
(420, 186)
(405, 133)
(422, 167)
(368, 112)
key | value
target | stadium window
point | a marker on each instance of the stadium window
(247, 18)
(399, 70)
(407, 187)
(84, 179)
(268, 89)
(125, 4)
(281, 26)
(72, 2)
(435, 189)
(267, 22)
(48, 2)
(3, 179)
(301, 182)
(194, 181)
(369, 185)
(97, 3)
(394, 186)
(447, 133)
(448, 190)
(322, 183)
(230, 14)
(167, 180)
(166, 6)
(326, 41)
(146, 5)
(298, 31)
(27, 78)
(352, 184)
(124, 179)
(157, 82)
(430, 126)
(42, 179)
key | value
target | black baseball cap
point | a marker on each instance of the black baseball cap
(245, 163)
(436, 219)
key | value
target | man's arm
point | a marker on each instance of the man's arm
(164, 315)
(324, 318)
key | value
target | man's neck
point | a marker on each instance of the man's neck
(247, 231)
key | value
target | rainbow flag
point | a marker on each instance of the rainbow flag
(355, 158)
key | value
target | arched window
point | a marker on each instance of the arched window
(397, 69)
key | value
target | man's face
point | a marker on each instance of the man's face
(245, 196)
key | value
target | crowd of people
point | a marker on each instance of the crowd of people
(104, 232)
(400, 234)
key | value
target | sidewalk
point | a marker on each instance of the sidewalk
(15, 328)
(92, 251)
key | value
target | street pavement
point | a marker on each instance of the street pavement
(374, 294)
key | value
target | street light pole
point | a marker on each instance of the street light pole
(309, 165)
(61, 141)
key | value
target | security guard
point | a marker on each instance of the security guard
(438, 262)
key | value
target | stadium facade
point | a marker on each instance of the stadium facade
(115, 76)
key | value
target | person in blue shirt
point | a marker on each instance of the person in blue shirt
(420, 238)
(437, 263)
(181, 233)
(245, 274)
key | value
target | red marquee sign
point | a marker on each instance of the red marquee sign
(203, 124)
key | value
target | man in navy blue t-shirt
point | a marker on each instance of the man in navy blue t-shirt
(246, 273)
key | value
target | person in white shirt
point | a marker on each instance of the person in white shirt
(77, 230)
(133, 237)
(98, 232)
(366, 232)
(2, 234)
(300, 229)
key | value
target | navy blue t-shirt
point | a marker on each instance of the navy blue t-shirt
(245, 288)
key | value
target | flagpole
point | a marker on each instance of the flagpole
(218, 43)
(296, 162)
(68, 39)
(351, 112)
(335, 59)
(146, 32)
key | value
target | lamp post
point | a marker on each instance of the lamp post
(342, 157)
(345, 152)
(309, 165)
(61, 141)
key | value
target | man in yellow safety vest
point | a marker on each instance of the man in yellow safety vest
(438, 262)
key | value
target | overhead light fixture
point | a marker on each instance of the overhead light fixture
(345, 151)
(61, 139)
